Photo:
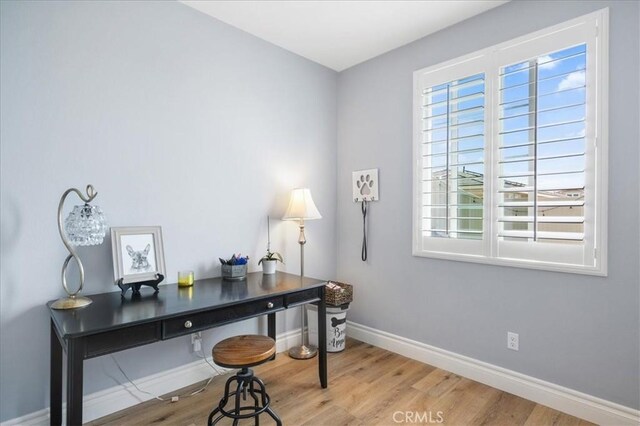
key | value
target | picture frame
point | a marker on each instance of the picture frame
(138, 254)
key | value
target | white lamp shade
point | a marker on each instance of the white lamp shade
(301, 206)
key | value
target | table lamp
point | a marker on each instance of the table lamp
(301, 208)
(85, 226)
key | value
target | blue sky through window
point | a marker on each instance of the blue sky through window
(543, 101)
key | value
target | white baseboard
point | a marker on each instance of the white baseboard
(288, 340)
(102, 403)
(563, 399)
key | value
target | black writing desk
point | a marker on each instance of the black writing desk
(111, 324)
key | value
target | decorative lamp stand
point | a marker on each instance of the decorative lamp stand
(305, 350)
(85, 226)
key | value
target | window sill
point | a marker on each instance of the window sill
(599, 271)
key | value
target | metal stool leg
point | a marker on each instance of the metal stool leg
(245, 382)
(223, 401)
(274, 416)
(263, 392)
(236, 411)
(266, 401)
(213, 413)
(252, 392)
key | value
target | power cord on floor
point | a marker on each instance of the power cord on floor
(218, 372)
(133, 383)
(176, 397)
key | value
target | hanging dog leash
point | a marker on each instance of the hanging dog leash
(364, 230)
(365, 189)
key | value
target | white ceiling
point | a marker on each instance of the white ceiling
(340, 34)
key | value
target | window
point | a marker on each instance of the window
(510, 152)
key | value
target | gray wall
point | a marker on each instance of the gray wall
(576, 331)
(178, 120)
(182, 121)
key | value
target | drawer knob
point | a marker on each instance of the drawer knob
(269, 305)
(188, 324)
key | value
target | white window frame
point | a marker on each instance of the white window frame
(591, 29)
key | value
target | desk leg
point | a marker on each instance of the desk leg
(74, 381)
(55, 379)
(322, 339)
(271, 328)
(271, 325)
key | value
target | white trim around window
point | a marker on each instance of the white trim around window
(466, 185)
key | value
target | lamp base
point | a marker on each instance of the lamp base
(303, 352)
(71, 302)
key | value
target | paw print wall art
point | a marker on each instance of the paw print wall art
(365, 185)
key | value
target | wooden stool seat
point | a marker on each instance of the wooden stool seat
(243, 351)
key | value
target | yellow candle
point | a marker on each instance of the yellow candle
(185, 278)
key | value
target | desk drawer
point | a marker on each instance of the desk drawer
(305, 296)
(188, 324)
(117, 340)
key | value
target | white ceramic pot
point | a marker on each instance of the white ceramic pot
(269, 266)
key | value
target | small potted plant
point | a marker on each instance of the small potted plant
(234, 268)
(270, 259)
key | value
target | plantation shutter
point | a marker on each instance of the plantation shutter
(541, 161)
(453, 120)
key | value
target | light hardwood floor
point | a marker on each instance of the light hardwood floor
(367, 386)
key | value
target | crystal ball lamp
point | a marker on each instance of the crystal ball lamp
(85, 226)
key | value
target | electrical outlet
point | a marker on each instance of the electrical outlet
(196, 341)
(513, 341)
